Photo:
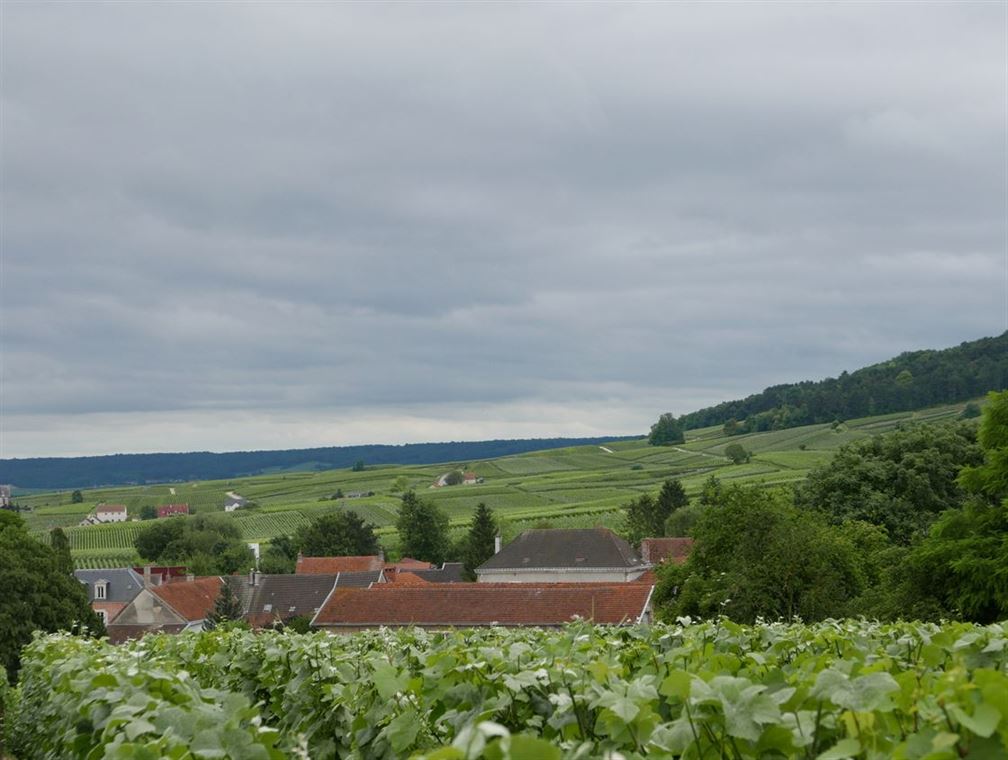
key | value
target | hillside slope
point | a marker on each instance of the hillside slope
(912, 380)
(570, 487)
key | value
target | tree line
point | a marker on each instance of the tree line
(912, 380)
(132, 469)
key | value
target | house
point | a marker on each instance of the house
(181, 605)
(332, 565)
(234, 502)
(110, 513)
(471, 479)
(654, 551)
(110, 590)
(449, 572)
(170, 510)
(582, 555)
(465, 605)
(5, 496)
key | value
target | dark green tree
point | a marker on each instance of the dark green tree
(208, 544)
(227, 608)
(280, 557)
(453, 478)
(647, 516)
(76, 498)
(61, 548)
(666, 431)
(737, 453)
(900, 480)
(343, 533)
(358, 466)
(479, 544)
(423, 529)
(40, 595)
(148, 512)
(756, 555)
(710, 491)
(963, 562)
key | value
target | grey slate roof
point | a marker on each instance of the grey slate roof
(449, 572)
(570, 548)
(287, 596)
(123, 583)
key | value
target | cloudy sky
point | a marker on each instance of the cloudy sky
(231, 226)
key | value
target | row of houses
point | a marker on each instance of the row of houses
(116, 513)
(594, 576)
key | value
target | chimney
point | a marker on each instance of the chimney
(497, 543)
(147, 578)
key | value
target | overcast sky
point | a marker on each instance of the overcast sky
(233, 226)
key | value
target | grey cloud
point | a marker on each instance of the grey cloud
(253, 208)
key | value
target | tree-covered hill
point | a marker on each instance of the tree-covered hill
(123, 469)
(913, 380)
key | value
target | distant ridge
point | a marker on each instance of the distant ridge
(911, 381)
(129, 469)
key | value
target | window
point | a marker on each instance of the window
(99, 589)
(103, 615)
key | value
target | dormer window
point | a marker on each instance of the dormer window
(100, 590)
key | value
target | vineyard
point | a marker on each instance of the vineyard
(578, 486)
(834, 690)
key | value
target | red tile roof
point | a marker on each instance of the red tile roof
(111, 508)
(193, 599)
(165, 510)
(471, 604)
(330, 565)
(405, 578)
(656, 550)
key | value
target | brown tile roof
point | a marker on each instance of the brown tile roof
(405, 578)
(119, 633)
(111, 508)
(472, 604)
(193, 599)
(657, 550)
(568, 547)
(329, 565)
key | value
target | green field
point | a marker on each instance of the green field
(580, 486)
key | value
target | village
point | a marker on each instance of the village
(544, 578)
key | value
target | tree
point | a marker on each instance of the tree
(900, 480)
(710, 491)
(423, 529)
(481, 541)
(731, 427)
(646, 516)
(737, 453)
(666, 431)
(76, 497)
(358, 466)
(39, 594)
(756, 555)
(453, 478)
(148, 512)
(963, 562)
(61, 548)
(208, 544)
(280, 556)
(343, 533)
(227, 607)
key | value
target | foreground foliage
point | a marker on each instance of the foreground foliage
(716, 689)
